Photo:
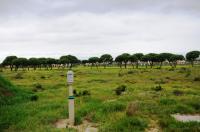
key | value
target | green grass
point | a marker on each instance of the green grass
(103, 106)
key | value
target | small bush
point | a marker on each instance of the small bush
(131, 108)
(42, 77)
(38, 86)
(197, 78)
(178, 92)
(18, 76)
(34, 98)
(85, 92)
(81, 93)
(120, 89)
(157, 88)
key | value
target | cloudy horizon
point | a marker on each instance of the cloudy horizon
(49, 28)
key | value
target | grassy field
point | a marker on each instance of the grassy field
(151, 96)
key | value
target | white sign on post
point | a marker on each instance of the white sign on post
(70, 77)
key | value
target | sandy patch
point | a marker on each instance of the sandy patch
(86, 126)
(186, 118)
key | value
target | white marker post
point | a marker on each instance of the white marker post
(70, 80)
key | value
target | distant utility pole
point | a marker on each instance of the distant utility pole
(70, 80)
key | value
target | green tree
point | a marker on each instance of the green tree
(42, 62)
(34, 62)
(50, 62)
(84, 62)
(139, 58)
(164, 57)
(106, 59)
(20, 62)
(93, 61)
(145, 59)
(174, 58)
(70, 60)
(8, 61)
(119, 60)
(133, 59)
(192, 56)
(125, 57)
(152, 58)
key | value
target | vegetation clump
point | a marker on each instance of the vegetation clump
(157, 88)
(81, 93)
(37, 87)
(34, 98)
(42, 77)
(197, 78)
(120, 89)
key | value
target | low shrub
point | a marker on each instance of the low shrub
(38, 86)
(132, 108)
(157, 88)
(197, 78)
(34, 98)
(42, 77)
(81, 93)
(85, 92)
(120, 89)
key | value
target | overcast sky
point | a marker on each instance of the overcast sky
(84, 28)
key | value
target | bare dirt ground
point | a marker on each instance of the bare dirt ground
(84, 127)
(186, 118)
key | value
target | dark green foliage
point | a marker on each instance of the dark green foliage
(93, 61)
(197, 78)
(69, 60)
(85, 92)
(38, 86)
(106, 59)
(192, 56)
(120, 89)
(157, 88)
(34, 98)
(8, 61)
(81, 93)
(42, 77)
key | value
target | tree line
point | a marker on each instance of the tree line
(106, 59)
